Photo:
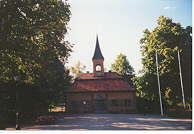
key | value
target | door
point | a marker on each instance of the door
(100, 105)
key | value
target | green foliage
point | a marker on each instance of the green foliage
(147, 86)
(78, 69)
(59, 104)
(32, 41)
(122, 67)
(166, 39)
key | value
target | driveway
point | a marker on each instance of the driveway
(114, 122)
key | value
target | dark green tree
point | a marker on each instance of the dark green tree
(32, 40)
(122, 67)
(166, 39)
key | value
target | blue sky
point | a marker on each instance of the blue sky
(119, 25)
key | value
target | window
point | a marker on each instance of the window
(85, 103)
(74, 103)
(115, 102)
(127, 102)
(98, 68)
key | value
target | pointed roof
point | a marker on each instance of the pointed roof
(97, 53)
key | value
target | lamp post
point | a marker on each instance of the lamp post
(17, 78)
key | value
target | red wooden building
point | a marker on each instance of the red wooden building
(100, 91)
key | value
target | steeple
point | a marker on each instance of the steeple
(97, 53)
(98, 61)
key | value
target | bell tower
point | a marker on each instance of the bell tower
(98, 61)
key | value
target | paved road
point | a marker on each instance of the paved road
(114, 122)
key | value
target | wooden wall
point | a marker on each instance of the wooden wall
(108, 97)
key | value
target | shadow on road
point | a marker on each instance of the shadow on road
(114, 122)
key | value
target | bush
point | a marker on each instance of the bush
(185, 113)
(47, 119)
(153, 106)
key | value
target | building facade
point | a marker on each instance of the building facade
(100, 91)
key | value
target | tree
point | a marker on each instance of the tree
(166, 39)
(32, 40)
(78, 69)
(122, 67)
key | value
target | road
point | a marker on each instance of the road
(113, 122)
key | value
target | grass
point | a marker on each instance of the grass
(59, 104)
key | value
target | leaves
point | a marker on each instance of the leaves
(32, 40)
(122, 67)
(166, 39)
(78, 69)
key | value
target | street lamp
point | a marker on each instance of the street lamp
(17, 78)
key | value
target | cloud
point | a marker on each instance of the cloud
(166, 8)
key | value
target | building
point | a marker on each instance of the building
(100, 91)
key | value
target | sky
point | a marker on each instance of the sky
(119, 25)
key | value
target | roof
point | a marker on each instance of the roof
(110, 82)
(90, 76)
(97, 52)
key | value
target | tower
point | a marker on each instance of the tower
(98, 61)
